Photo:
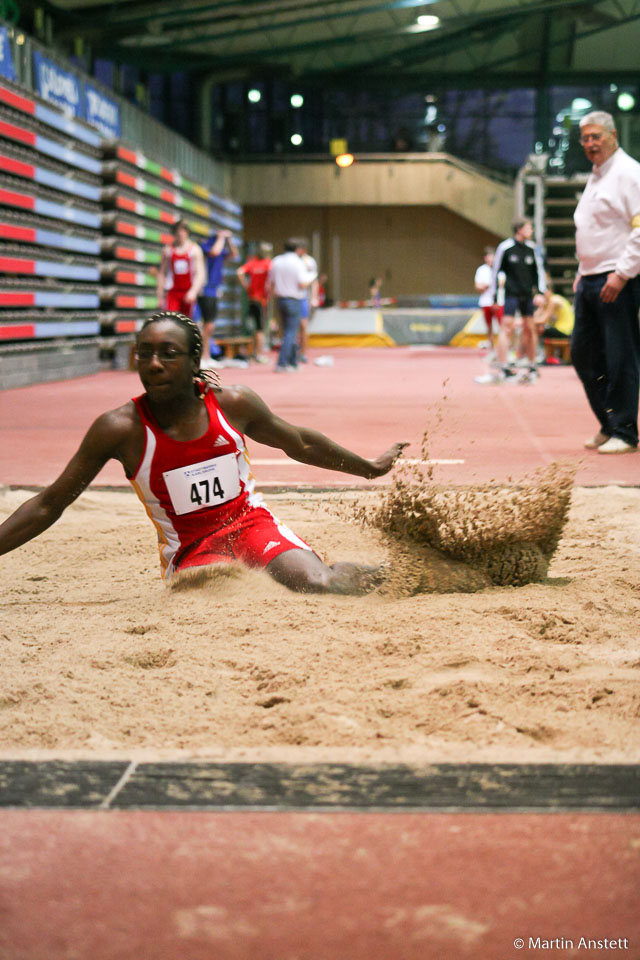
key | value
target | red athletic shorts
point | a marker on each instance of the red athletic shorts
(254, 538)
(176, 303)
(491, 313)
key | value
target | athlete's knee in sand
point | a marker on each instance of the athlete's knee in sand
(304, 572)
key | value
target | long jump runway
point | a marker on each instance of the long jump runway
(366, 401)
(120, 857)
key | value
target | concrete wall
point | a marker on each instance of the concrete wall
(421, 223)
(27, 363)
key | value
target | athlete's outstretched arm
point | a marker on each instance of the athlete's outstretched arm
(40, 512)
(250, 414)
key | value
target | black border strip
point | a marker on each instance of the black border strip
(126, 785)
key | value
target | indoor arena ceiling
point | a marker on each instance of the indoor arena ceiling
(366, 42)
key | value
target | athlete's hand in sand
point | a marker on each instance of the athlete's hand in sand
(386, 460)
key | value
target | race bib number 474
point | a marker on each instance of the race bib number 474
(205, 484)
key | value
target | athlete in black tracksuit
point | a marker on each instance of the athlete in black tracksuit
(524, 273)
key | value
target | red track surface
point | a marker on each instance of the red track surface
(299, 886)
(366, 401)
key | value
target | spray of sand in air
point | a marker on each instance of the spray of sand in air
(461, 539)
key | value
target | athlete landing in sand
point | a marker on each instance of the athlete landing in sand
(182, 446)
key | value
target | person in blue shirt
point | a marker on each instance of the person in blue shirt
(216, 249)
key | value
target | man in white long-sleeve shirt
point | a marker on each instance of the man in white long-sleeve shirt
(605, 347)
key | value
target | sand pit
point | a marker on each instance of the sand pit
(101, 658)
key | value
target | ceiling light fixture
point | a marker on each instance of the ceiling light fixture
(428, 21)
(626, 101)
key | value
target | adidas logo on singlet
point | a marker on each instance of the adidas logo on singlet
(220, 441)
(270, 546)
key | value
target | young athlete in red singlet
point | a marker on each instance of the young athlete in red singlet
(182, 445)
(200, 495)
(183, 263)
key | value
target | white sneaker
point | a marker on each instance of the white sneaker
(208, 363)
(596, 441)
(489, 378)
(616, 445)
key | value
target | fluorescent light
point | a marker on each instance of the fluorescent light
(428, 21)
(254, 96)
(626, 101)
(296, 139)
(296, 100)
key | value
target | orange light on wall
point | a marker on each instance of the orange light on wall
(344, 159)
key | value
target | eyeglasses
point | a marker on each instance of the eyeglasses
(587, 137)
(164, 354)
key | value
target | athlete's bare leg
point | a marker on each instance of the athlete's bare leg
(530, 339)
(207, 333)
(505, 338)
(305, 572)
(304, 336)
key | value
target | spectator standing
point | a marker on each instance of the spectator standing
(374, 291)
(253, 277)
(288, 280)
(524, 277)
(216, 249)
(321, 293)
(308, 301)
(181, 272)
(483, 284)
(605, 346)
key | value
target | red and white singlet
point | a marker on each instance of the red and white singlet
(182, 268)
(200, 496)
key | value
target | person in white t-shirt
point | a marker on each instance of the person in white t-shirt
(288, 281)
(605, 345)
(482, 282)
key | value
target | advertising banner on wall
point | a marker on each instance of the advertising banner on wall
(76, 97)
(57, 85)
(101, 112)
(6, 60)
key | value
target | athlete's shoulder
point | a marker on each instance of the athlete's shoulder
(234, 395)
(118, 423)
(501, 249)
(110, 432)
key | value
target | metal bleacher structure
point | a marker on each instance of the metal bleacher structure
(82, 223)
(549, 201)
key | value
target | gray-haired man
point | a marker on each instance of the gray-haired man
(605, 346)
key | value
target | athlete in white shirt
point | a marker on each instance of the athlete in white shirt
(482, 282)
(605, 346)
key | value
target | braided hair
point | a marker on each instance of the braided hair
(207, 378)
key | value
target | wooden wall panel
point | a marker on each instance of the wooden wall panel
(415, 249)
